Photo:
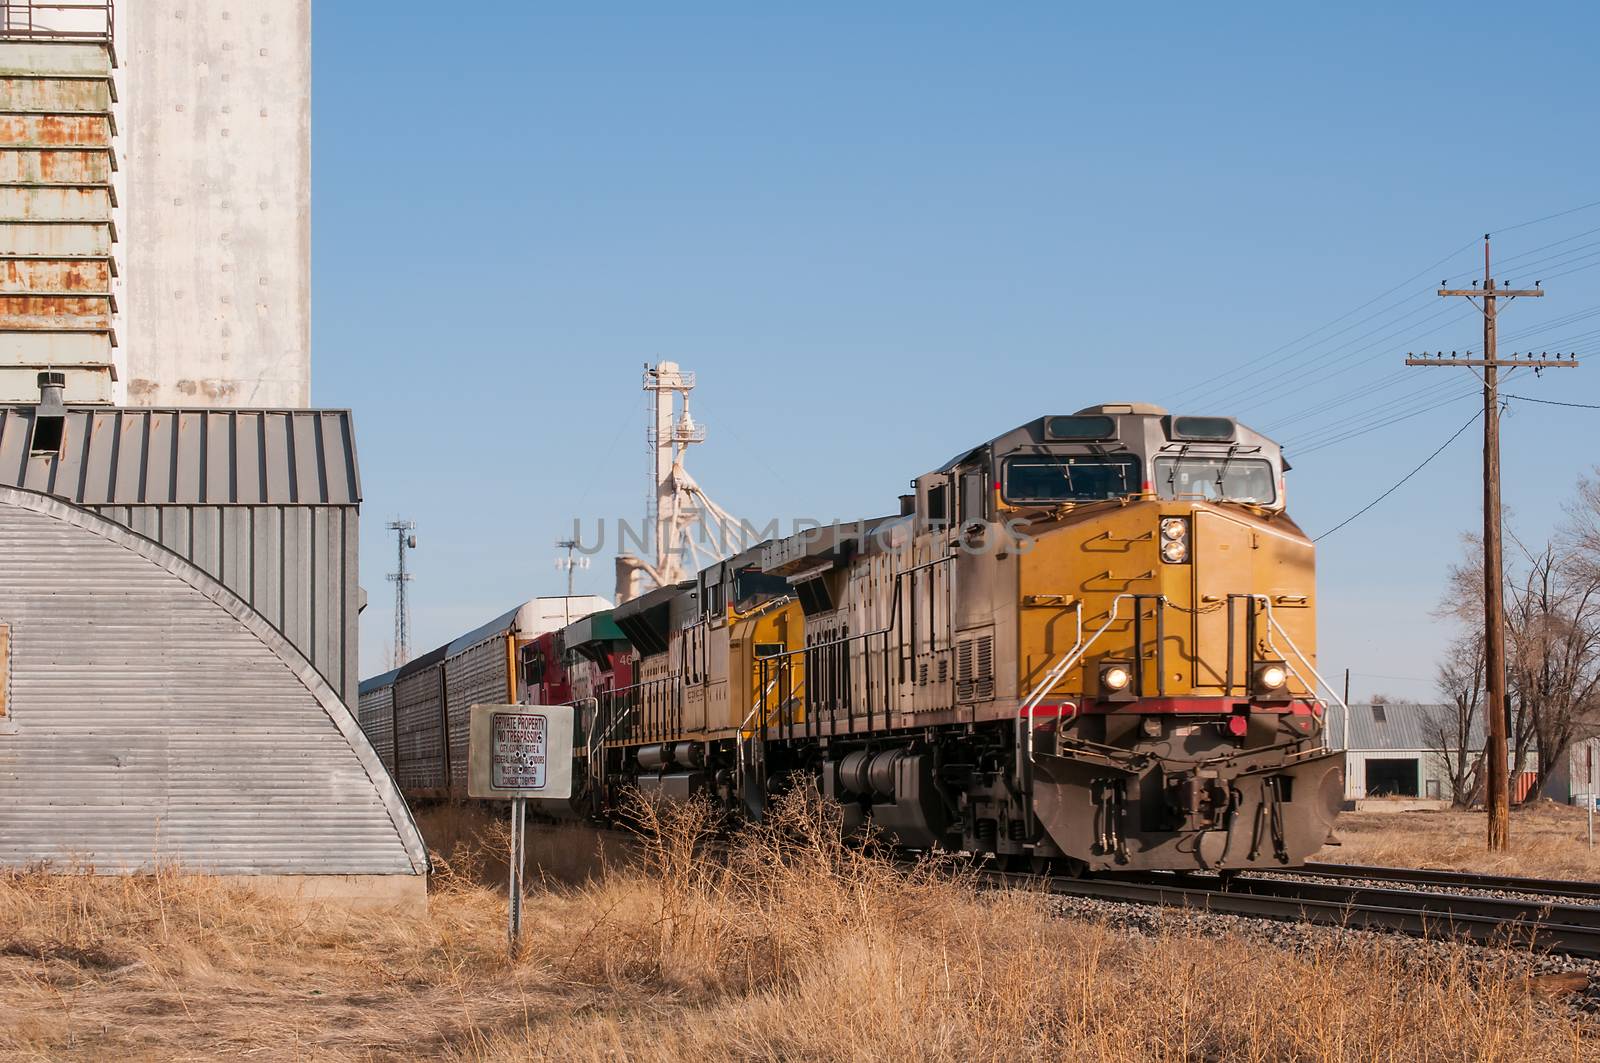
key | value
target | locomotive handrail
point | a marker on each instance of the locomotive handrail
(1272, 624)
(761, 701)
(1037, 693)
(610, 730)
(633, 698)
(1072, 657)
(739, 739)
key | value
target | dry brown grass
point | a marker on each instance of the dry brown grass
(472, 844)
(1547, 841)
(792, 947)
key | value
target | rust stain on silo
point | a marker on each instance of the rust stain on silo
(43, 276)
(50, 313)
(54, 130)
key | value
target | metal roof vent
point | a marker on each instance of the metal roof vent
(50, 418)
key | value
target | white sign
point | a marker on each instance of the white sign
(520, 751)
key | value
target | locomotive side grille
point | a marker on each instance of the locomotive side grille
(975, 668)
(964, 670)
(983, 687)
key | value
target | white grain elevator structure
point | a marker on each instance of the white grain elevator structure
(155, 195)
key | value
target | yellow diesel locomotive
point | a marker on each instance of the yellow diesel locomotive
(1088, 643)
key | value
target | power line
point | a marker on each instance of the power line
(1540, 263)
(1569, 272)
(1288, 366)
(1406, 399)
(1316, 443)
(1396, 678)
(1228, 378)
(1317, 438)
(1331, 367)
(1555, 323)
(1206, 384)
(1553, 402)
(1361, 392)
(1318, 380)
(1475, 415)
(1547, 217)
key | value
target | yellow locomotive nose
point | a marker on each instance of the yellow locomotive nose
(1168, 599)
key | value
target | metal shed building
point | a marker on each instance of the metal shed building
(264, 501)
(1398, 750)
(1392, 750)
(178, 602)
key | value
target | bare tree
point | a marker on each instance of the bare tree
(1552, 633)
(1449, 728)
(1553, 627)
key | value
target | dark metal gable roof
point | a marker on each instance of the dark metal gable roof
(203, 457)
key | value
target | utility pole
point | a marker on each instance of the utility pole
(405, 539)
(1494, 613)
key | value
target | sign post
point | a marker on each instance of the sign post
(515, 752)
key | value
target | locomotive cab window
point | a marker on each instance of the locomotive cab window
(938, 507)
(714, 600)
(532, 666)
(1070, 477)
(1217, 479)
(752, 583)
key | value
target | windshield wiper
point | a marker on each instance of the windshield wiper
(1222, 472)
(1172, 471)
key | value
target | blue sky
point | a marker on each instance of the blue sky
(881, 234)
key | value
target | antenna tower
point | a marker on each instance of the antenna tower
(405, 539)
(571, 563)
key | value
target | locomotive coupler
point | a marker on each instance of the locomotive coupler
(1197, 800)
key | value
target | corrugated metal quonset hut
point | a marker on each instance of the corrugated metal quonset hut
(178, 605)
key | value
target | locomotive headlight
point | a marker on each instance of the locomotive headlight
(1270, 677)
(1174, 540)
(1116, 677)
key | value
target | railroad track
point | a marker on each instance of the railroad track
(1553, 925)
(1543, 925)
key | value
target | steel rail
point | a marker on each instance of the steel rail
(1502, 909)
(1481, 920)
(1545, 887)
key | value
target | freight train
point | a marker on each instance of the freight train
(1087, 643)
